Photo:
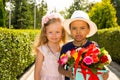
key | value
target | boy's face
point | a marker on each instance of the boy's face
(79, 30)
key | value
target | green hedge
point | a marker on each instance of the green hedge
(15, 49)
(110, 40)
(15, 52)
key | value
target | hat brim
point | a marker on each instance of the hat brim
(92, 25)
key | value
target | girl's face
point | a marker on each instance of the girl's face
(54, 32)
(79, 30)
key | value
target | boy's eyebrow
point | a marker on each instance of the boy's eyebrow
(72, 26)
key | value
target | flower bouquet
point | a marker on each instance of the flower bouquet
(87, 63)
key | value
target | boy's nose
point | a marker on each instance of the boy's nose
(78, 31)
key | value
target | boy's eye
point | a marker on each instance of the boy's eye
(73, 28)
(82, 28)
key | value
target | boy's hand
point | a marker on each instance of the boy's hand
(70, 74)
(105, 75)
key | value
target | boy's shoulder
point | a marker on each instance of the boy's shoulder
(95, 43)
(90, 42)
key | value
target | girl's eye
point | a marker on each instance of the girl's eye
(58, 32)
(50, 32)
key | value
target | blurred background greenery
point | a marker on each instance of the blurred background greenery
(19, 27)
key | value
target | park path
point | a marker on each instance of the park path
(114, 73)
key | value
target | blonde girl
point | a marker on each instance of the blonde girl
(47, 48)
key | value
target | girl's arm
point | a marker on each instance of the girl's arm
(38, 66)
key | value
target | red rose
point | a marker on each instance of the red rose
(104, 59)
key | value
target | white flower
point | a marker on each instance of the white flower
(109, 58)
(68, 53)
(78, 49)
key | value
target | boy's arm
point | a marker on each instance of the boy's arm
(67, 73)
(105, 75)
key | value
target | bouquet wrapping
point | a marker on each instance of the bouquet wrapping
(86, 63)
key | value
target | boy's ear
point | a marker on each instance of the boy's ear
(88, 32)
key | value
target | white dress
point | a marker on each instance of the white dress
(50, 65)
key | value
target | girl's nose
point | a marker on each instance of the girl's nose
(54, 34)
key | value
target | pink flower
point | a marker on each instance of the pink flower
(50, 16)
(63, 60)
(45, 19)
(88, 60)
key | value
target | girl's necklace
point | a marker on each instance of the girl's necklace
(57, 56)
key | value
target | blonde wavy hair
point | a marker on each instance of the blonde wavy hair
(41, 39)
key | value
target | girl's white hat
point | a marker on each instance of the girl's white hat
(80, 15)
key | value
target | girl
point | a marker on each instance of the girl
(80, 27)
(48, 48)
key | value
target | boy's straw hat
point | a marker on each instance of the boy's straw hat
(81, 15)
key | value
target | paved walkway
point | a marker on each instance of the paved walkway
(114, 73)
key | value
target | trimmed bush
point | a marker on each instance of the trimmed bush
(15, 52)
(15, 49)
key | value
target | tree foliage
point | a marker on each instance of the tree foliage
(2, 12)
(22, 16)
(41, 11)
(78, 5)
(116, 4)
(103, 14)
